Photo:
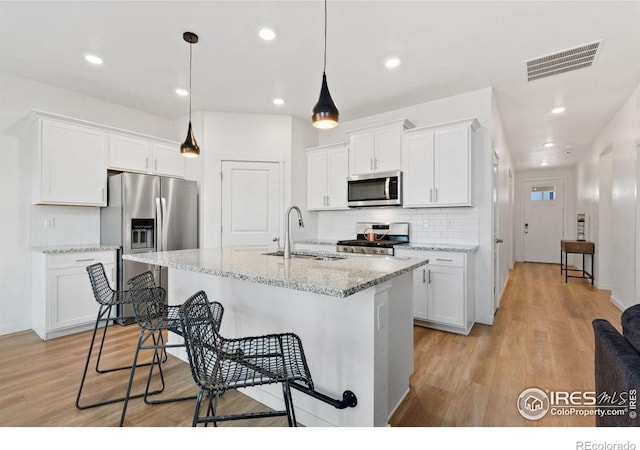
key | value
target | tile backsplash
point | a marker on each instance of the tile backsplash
(426, 225)
(63, 225)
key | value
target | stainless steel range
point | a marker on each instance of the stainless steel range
(376, 238)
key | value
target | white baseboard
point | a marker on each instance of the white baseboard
(617, 303)
(393, 411)
(14, 328)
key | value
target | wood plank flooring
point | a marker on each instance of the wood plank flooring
(541, 337)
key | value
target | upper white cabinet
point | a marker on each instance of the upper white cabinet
(68, 163)
(136, 154)
(437, 164)
(376, 148)
(327, 171)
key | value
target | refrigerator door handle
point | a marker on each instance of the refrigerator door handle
(164, 228)
(159, 227)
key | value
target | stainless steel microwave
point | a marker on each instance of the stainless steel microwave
(376, 189)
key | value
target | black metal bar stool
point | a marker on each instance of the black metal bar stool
(153, 317)
(108, 299)
(219, 364)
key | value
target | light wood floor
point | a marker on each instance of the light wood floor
(541, 337)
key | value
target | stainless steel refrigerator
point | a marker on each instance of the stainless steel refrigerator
(147, 213)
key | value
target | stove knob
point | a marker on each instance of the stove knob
(363, 250)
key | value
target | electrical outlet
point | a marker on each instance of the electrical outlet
(49, 224)
(425, 224)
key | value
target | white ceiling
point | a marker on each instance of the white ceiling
(446, 48)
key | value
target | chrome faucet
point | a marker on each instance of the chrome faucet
(287, 233)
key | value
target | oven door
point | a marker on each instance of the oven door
(379, 189)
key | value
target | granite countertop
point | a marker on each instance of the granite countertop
(337, 278)
(78, 248)
(318, 241)
(459, 248)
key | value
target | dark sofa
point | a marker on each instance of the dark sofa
(617, 367)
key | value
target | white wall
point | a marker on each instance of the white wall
(22, 223)
(238, 137)
(622, 134)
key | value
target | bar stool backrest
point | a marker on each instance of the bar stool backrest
(102, 291)
(201, 325)
(148, 300)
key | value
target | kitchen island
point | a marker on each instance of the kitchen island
(353, 314)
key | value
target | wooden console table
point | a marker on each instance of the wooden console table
(579, 247)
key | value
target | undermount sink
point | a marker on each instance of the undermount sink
(306, 256)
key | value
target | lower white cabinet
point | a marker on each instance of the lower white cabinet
(62, 299)
(443, 290)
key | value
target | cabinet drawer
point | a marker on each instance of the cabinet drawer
(80, 259)
(448, 259)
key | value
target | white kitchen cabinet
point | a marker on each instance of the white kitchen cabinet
(129, 153)
(327, 177)
(62, 298)
(437, 165)
(138, 154)
(376, 148)
(443, 290)
(68, 166)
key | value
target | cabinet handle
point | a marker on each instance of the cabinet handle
(146, 163)
(375, 164)
(371, 163)
(86, 259)
(424, 275)
(436, 194)
(443, 259)
(102, 191)
(430, 195)
(155, 164)
(328, 201)
(429, 276)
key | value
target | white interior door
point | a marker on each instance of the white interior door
(543, 227)
(251, 198)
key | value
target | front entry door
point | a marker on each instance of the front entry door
(543, 220)
(251, 198)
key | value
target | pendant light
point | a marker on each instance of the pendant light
(325, 114)
(190, 147)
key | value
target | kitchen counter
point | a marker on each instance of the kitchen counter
(459, 248)
(354, 317)
(79, 248)
(318, 241)
(339, 277)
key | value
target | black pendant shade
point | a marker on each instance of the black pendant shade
(325, 114)
(190, 147)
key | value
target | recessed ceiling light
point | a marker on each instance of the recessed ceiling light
(278, 101)
(544, 163)
(558, 110)
(549, 144)
(93, 59)
(392, 63)
(267, 34)
(182, 92)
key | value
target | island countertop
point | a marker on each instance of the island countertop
(337, 277)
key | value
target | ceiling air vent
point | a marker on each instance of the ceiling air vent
(565, 61)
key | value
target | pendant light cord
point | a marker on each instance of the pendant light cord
(190, 53)
(324, 68)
